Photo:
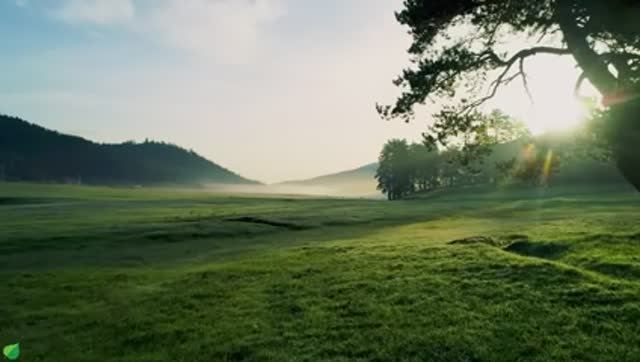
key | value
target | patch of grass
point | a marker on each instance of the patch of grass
(149, 275)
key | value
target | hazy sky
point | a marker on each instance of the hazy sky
(272, 89)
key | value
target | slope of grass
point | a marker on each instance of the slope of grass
(98, 274)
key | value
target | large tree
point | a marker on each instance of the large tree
(603, 36)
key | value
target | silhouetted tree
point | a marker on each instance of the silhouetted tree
(603, 37)
(450, 169)
(426, 165)
(405, 169)
(505, 169)
(537, 166)
(395, 174)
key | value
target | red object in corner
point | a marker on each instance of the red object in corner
(616, 98)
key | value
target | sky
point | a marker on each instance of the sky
(271, 89)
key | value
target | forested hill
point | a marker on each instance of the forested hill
(32, 153)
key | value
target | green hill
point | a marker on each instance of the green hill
(29, 152)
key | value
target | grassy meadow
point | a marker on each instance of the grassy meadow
(108, 274)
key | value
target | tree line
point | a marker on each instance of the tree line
(31, 153)
(407, 168)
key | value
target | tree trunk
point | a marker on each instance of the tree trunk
(594, 67)
(624, 134)
(625, 140)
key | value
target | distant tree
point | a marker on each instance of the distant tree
(426, 165)
(395, 174)
(538, 165)
(505, 170)
(603, 37)
(447, 169)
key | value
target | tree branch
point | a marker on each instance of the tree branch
(620, 62)
(508, 64)
(525, 81)
(581, 79)
(525, 53)
(594, 66)
(545, 34)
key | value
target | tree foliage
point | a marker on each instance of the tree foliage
(603, 37)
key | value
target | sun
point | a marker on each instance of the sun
(553, 106)
(552, 114)
(551, 110)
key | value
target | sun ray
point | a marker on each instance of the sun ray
(548, 164)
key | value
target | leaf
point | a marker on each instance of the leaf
(12, 351)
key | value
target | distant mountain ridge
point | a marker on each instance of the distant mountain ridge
(29, 152)
(355, 182)
(368, 170)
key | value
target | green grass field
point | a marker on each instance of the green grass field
(102, 274)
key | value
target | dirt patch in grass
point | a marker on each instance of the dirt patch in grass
(476, 240)
(538, 250)
(263, 221)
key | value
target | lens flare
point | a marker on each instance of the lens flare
(548, 165)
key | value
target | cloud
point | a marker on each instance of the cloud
(101, 12)
(230, 31)
(226, 31)
(22, 3)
